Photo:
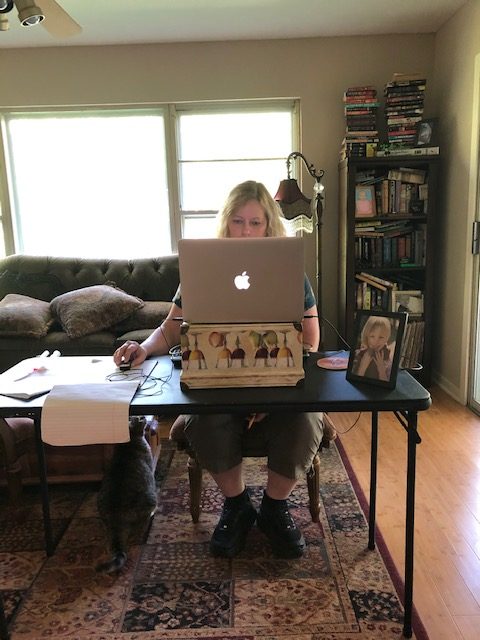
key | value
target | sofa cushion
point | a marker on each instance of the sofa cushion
(42, 286)
(150, 316)
(92, 309)
(24, 316)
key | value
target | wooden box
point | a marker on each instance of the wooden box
(241, 355)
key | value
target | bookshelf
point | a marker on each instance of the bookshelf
(387, 220)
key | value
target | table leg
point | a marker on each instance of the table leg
(373, 481)
(42, 472)
(410, 521)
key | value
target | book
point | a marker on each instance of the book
(360, 230)
(415, 176)
(369, 233)
(420, 151)
(364, 277)
(26, 389)
(396, 89)
(361, 89)
(385, 283)
(404, 120)
(370, 224)
(409, 78)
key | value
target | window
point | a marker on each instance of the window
(89, 183)
(105, 182)
(220, 149)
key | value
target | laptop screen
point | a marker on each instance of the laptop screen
(232, 280)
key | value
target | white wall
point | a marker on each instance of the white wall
(457, 45)
(315, 70)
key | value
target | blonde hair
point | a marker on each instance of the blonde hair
(243, 193)
(372, 323)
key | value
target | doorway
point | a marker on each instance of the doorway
(473, 400)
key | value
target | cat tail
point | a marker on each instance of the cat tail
(114, 565)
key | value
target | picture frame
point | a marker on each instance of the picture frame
(426, 133)
(410, 301)
(376, 362)
(365, 203)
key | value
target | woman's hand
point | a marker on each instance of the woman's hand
(365, 360)
(131, 352)
(382, 365)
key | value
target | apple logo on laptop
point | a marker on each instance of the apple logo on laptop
(242, 281)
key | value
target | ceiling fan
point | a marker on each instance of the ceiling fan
(48, 13)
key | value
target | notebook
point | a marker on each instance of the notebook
(233, 280)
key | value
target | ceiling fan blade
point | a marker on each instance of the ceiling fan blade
(57, 21)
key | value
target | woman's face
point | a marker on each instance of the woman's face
(377, 338)
(248, 221)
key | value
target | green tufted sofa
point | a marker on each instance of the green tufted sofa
(153, 280)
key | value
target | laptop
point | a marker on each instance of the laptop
(234, 280)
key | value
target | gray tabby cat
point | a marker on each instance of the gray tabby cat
(127, 498)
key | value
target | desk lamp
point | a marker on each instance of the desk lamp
(302, 213)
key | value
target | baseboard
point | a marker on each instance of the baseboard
(450, 389)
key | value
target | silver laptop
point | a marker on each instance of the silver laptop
(233, 280)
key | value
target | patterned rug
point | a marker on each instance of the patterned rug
(171, 588)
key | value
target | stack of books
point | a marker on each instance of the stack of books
(404, 98)
(398, 245)
(411, 354)
(361, 135)
(403, 191)
(372, 292)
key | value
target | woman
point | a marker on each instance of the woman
(292, 439)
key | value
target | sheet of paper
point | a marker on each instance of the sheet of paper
(88, 413)
(35, 376)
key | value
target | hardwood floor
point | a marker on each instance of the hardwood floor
(446, 589)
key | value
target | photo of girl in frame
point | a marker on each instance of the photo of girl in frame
(376, 353)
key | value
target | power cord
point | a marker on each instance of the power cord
(147, 382)
(342, 433)
(153, 383)
(333, 327)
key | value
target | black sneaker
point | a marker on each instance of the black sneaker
(276, 522)
(237, 518)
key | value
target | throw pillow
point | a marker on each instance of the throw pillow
(150, 316)
(92, 309)
(24, 316)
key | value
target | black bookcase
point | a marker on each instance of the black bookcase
(394, 242)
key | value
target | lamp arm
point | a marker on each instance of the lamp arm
(318, 175)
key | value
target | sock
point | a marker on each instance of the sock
(272, 503)
(237, 501)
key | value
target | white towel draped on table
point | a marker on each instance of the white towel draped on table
(87, 413)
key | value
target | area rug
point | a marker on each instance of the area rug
(171, 588)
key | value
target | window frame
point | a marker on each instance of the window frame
(170, 112)
(290, 105)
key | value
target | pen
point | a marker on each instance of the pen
(30, 373)
(251, 420)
